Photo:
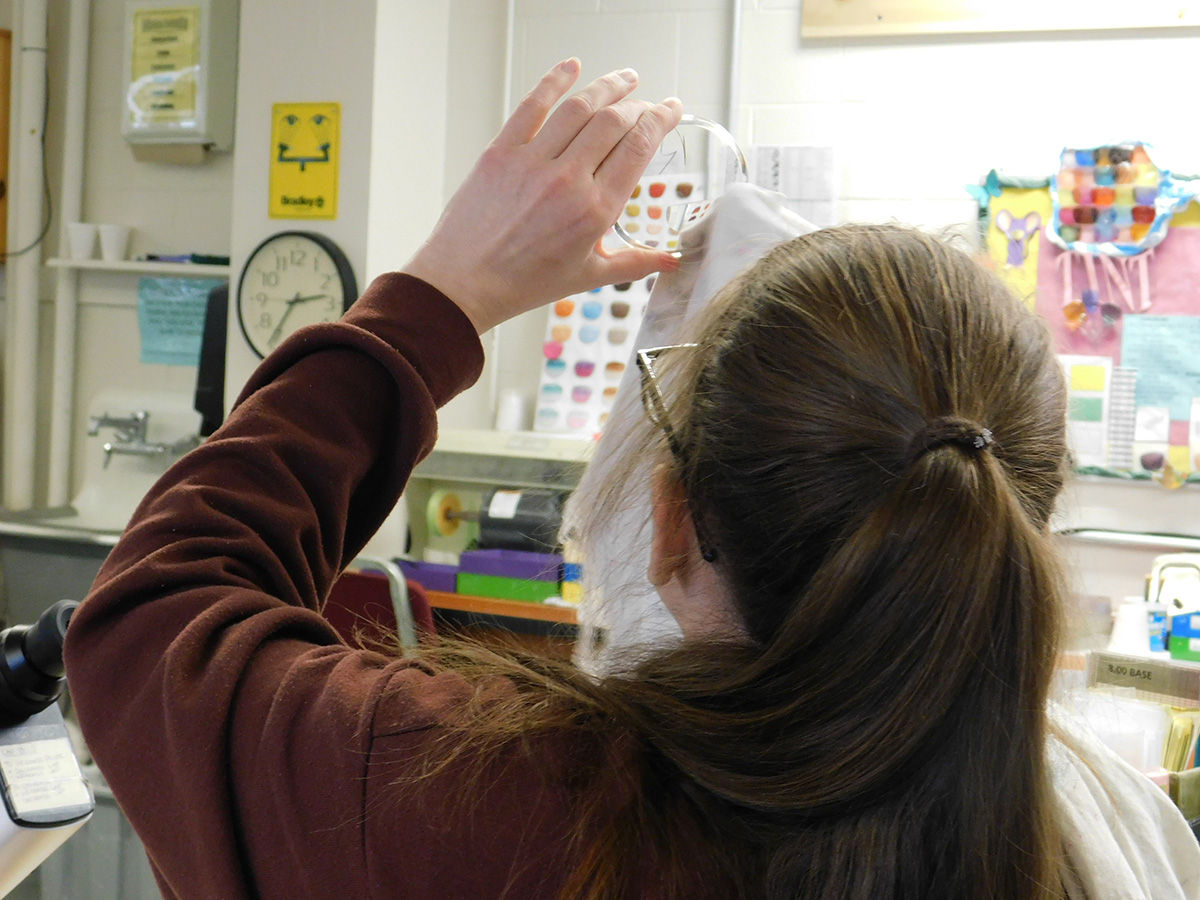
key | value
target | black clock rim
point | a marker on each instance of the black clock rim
(340, 262)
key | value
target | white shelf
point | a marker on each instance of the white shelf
(143, 267)
(521, 444)
(1136, 540)
(512, 458)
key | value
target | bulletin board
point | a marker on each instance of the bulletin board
(1131, 353)
(881, 18)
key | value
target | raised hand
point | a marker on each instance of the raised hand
(525, 227)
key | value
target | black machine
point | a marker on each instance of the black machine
(46, 798)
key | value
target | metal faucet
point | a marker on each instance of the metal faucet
(130, 438)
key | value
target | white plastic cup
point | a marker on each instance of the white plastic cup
(81, 240)
(510, 411)
(114, 242)
(1131, 630)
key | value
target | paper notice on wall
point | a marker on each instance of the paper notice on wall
(807, 176)
(1194, 437)
(1122, 414)
(165, 65)
(1153, 425)
(1163, 350)
(1088, 383)
(1152, 437)
(171, 318)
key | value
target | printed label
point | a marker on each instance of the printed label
(1175, 679)
(42, 776)
(504, 504)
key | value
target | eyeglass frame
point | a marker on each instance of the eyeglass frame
(656, 411)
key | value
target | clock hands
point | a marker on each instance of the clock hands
(289, 269)
(287, 312)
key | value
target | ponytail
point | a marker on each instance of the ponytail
(887, 737)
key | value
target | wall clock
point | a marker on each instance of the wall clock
(292, 279)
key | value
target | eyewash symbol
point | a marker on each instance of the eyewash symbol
(305, 141)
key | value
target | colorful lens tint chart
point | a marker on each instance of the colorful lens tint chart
(589, 342)
(661, 207)
(589, 337)
(1106, 195)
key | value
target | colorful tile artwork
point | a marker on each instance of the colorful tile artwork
(1106, 194)
(590, 337)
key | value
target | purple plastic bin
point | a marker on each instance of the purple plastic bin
(513, 564)
(431, 576)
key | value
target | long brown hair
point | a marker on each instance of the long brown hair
(880, 734)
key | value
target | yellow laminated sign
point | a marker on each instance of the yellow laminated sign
(304, 160)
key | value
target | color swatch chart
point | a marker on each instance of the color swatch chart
(1106, 194)
(590, 337)
(661, 206)
(589, 342)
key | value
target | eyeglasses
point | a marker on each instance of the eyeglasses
(652, 398)
(656, 412)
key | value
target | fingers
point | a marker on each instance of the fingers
(623, 166)
(631, 265)
(574, 114)
(531, 112)
(603, 132)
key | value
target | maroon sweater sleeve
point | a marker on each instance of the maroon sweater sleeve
(241, 738)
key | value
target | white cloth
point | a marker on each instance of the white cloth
(1123, 837)
(743, 224)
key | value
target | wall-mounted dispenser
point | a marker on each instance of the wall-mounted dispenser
(180, 77)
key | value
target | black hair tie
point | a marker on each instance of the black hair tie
(962, 433)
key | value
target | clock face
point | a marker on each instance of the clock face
(292, 279)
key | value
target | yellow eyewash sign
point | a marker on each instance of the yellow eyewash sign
(304, 160)
(166, 58)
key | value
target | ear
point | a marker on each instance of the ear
(674, 537)
(1033, 222)
(1003, 220)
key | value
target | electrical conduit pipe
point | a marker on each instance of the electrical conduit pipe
(62, 406)
(21, 313)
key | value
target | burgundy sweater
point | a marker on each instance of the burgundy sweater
(254, 753)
